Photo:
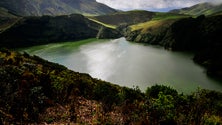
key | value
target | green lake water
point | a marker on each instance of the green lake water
(129, 64)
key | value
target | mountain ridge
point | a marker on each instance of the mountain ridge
(206, 8)
(35, 91)
(55, 7)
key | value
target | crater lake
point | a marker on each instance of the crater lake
(129, 64)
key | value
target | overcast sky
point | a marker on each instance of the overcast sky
(152, 5)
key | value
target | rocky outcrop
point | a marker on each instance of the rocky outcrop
(148, 37)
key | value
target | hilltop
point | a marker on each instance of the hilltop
(55, 7)
(199, 9)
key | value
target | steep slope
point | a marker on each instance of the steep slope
(124, 18)
(200, 35)
(7, 19)
(217, 13)
(5, 13)
(199, 9)
(35, 91)
(30, 31)
(152, 31)
(55, 7)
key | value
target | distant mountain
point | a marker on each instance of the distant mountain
(199, 9)
(55, 7)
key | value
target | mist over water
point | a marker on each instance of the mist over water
(129, 64)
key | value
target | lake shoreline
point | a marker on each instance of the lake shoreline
(111, 60)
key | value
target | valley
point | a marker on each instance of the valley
(83, 62)
(117, 61)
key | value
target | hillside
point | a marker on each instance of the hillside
(217, 13)
(31, 31)
(152, 30)
(199, 9)
(200, 35)
(35, 91)
(124, 18)
(6, 19)
(55, 7)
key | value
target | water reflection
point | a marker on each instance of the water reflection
(129, 64)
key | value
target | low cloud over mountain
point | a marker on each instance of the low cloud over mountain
(162, 5)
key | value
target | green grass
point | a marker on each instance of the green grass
(159, 20)
(145, 25)
(217, 13)
(167, 16)
(130, 12)
(106, 25)
(64, 45)
(151, 26)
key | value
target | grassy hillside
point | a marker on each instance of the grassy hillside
(153, 30)
(5, 13)
(7, 19)
(102, 23)
(158, 20)
(199, 9)
(200, 35)
(55, 7)
(31, 31)
(35, 91)
(124, 18)
(217, 13)
(41, 30)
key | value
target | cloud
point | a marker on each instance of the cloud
(152, 4)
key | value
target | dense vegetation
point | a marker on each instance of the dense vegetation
(29, 31)
(153, 30)
(200, 35)
(33, 90)
(55, 7)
